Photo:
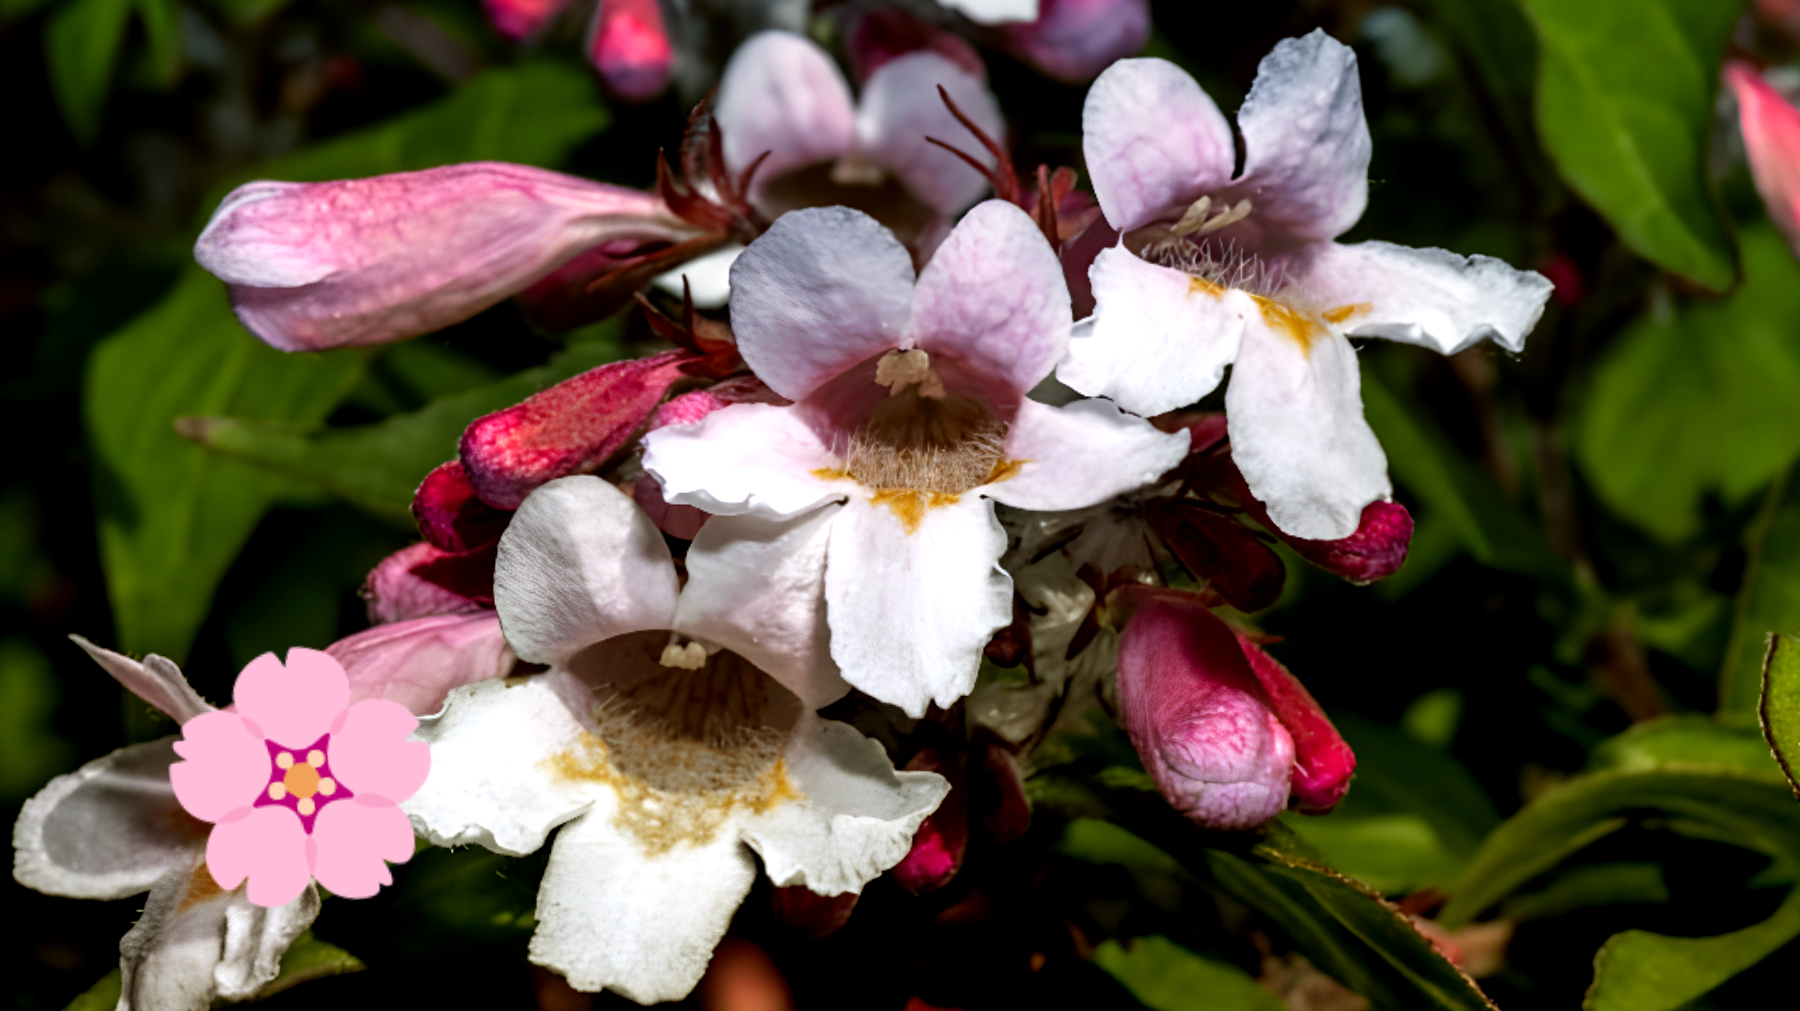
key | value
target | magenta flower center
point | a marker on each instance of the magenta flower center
(300, 780)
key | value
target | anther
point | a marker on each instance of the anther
(1227, 217)
(315, 758)
(327, 787)
(307, 807)
(689, 657)
(284, 761)
(277, 791)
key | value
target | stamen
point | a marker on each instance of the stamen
(901, 369)
(689, 657)
(1194, 221)
(1227, 217)
(1194, 218)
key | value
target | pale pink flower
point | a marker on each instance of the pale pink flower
(1771, 127)
(1245, 272)
(910, 420)
(300, 783)
(1073, 40)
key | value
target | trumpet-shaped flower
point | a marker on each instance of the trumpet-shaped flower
(1216, 271)
(672, 735)
(910, 415)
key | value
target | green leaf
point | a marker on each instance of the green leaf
(1624, 103)
(1640, 971)
(1780, 709)
(81, 44)
(163, 35)
(1731, 363)
(1164, 976)
(309, 958)
(172, 515)
(1749, 809)
(1769, 600)
(1685, 740)
(1591, 885)
(1455, 492)
(102, 996)
(378, 467)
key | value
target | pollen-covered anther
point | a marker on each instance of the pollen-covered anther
(901, 370)
(1199, 220)
(692, 656)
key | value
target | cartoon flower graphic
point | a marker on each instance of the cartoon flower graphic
(299, 783)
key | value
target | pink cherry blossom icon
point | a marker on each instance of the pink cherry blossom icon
(299, 783)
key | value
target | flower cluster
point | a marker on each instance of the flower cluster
(930, 437)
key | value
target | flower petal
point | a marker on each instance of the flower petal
(580, 563)
(1154, 142)
(900, 107)
(757, 588)
(823, 289)
(417, 663)
(156, 681)
(1298, 434)
(293, 705)
(911, 610)
(1199, 718)
(370, 753)
(993, 298)
(570, 428)
(194, 943)
(489, 781)
(356, 840)
(783, 95)
(422, 580)
(1428, 297)
(366, 261)
(990, 12)
(266, 845)
(611, 917)
(1771, 128)
(1306, 144)
(857, 817)
(1081, 455)
(107, 830)
(227, 765)
(1159, 339)
(747, 458)
(1072, 40)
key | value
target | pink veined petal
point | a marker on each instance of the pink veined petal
(365, 261)
(1771, 128)
(1154, 142)
(156, 680)
(370, 753)
(822, 290)
(293, 705)
(747, 458)
(1306, 144)
(515, 19)
(421, 580)
(883, 35)
(570, 428)
(993, 298)
(911, 607)
(1158, 339)
(1429, 297)
(1082, 454)
(1323, 763)
(782, 94)
(1298, 434)
(1199, 717)
(268, 846)
(356, 840)
(900, 107)
(1073, 40)
(449, 513)
(227, 766)
(629, 45)
(417, 663)
(580, 564)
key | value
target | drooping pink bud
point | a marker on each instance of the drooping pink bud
(881, 35)
(449, 513)
(570, 428)
(517, 19)
(1199, 717)
(418, 662)
(312, 266)
(1323, 762)
(1375, 551)
(938, 845)
(629, 44)
(1771, 127)
(1073, 40)
(423, 580)
(810, 913)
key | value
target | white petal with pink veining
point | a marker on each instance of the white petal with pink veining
(747, 458)
(1081, 455)
(1154, 142)
(900, 107)
(783, 95)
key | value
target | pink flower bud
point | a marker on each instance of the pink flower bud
(1323, 763)
(424, 580)
(1200, 719)
(516, 19)
(629, 45)
(450, 515)
(1771, 128)
(938, 845)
